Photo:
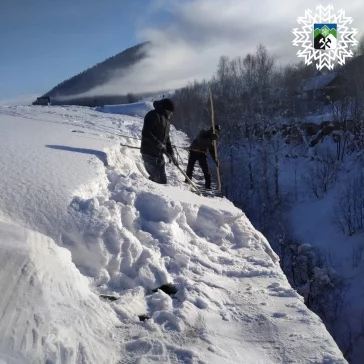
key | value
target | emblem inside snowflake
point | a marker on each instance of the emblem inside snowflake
(325, 31)
(325, 37)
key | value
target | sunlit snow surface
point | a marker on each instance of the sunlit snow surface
(80, 219)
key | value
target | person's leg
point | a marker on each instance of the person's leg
(191, 164)
(162, 171)
(205, 169)
(151, 166)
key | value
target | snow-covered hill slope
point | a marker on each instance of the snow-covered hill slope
(65, 176)
(134, 109)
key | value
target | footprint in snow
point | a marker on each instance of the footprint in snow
(279, 315)
(225, 315)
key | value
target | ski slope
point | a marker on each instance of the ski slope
(79, 218)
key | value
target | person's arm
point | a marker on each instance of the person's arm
(212, 152)
(204, 134)
(213, 137)
(170, 150)
(172, 157)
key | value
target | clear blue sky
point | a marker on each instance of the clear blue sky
(44, 42)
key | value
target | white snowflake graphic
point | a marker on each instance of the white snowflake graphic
(328, 57)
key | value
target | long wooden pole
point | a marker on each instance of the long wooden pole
(214, 142)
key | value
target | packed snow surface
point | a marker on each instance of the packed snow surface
(85, 238)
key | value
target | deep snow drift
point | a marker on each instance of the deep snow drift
(66, 177)
(48, 313)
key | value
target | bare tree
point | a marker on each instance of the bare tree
(360, 46)
(357, 256)
(321, 175)
(348, 212)
(131, 98)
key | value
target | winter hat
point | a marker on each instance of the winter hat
(167, 104)
(217, 129)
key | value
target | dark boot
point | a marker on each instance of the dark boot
(208, 186)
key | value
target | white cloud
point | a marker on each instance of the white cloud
(20, 100)
(200, 31)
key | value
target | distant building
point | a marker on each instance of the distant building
(44, 100)
(321, 86)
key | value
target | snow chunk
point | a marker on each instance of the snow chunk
(155, 208)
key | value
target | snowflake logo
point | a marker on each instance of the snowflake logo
(325, 37)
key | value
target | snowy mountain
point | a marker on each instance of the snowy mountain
(80, 222)
(73, 90)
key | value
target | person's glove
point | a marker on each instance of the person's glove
(217, 162)
(162, 148)
(214, 136)
(173, 160)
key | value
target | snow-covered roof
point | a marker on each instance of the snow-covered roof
(318, 82)
(318, 119)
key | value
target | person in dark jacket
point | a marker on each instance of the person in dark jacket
(156, 141)
(198, 152)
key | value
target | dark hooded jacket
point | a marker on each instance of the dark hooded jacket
(204, 143)
(155, 133)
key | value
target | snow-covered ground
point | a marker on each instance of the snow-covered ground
(48, 312)
(79, 218)
(134, 109)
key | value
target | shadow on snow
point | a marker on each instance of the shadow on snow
(99, 154)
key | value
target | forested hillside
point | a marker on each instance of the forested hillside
(70, 91)
(291, 153)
